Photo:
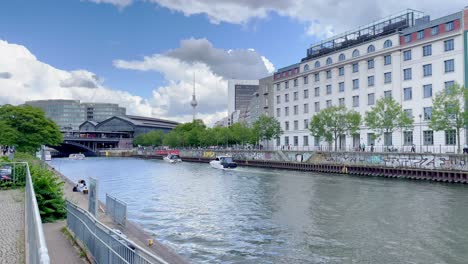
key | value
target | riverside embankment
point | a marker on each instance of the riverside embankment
(421, 166)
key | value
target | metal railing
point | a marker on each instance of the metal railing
(13, 172)
(105, 245)
(36, 248)
(116, 209)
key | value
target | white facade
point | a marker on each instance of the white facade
(294, 106)
(232, 92)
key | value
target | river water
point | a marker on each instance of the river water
(276, 216)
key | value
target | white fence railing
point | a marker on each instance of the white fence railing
(105, 245)
(116, 209)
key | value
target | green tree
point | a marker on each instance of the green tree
(8, 135)
(33, 129)
(241, 133)
(387, 116)
(334, 121)
(173, 139)
(152, 138)
(448, 111)
(266, 128)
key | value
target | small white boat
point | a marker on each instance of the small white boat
(75, 156)
(48, 156)
(223, 162)
(172, 158)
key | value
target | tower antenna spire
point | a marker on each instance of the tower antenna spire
(194, 102)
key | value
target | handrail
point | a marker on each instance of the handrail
(111, 232)
(37, 232)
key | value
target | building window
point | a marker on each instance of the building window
(296, 110)
(409, 113)
(355, 67)
(296, 125)
(306, 67)
(450, 137)
(278, 99)
(370, 49)
(448, 84)
(387, 94)
(278, 141)
(370, 99)
(341, 87)
(407, 55)
(277, 87)
(296, 96)
(329, 75)
(370, 139)
(370, 81)
(435, 30)
(317, 64)
(407, 93)
(317, 77)
(278, 112)
(355, 53)
(427, 90)
(388, 139)
(407, 74)
(286, 140)
(316, 141)
(289, 73)
(295, 82)
(286, 84)
(449, 26)
(420, 34)
(341, 102)
(306, 79)
(408, 38)
(387, 44)
(329, 103)
(387, 59)
(428, 137)
(449, 45)
(306, 141)
(286, 125)
(306, 108)
(355, 84)
(317, 107)
(306, 123)
(427, 50)
(329, 61)
(356, 101)
(317, 91)
(407, 138)
(427, 113)
(342, 57)
(329, 89)
(387, 77)
(286, 98)
(427, 70)
(341, 71)
(306, 93)
(449, 66)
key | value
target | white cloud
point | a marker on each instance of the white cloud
(270, 67)
(333, 16)
(118, 3)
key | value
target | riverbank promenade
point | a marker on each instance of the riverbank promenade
(12, 227)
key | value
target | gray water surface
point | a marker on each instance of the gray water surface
(276, 216)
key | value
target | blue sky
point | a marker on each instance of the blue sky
(142, 54)
(74, 35)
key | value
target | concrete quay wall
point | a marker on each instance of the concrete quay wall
(426, 161)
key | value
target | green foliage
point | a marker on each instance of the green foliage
(448, 111)
(386, 116)
(334, 121)
(153, 138)
(266, 128)
(27, 128)
(48, 188)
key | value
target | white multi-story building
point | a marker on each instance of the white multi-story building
(406, 56)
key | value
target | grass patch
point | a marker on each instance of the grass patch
(71, 238)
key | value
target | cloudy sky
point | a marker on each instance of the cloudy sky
(143, 54)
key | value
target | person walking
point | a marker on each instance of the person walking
(413, 148)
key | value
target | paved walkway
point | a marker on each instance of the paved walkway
(11, 226)
(60, 247)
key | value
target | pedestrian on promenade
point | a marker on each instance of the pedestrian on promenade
(465, 149)
(413, 148)
(372, 147)
(363, 147)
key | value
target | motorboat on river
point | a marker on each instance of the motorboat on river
(172, 158)
(75, 156)
(223, 162)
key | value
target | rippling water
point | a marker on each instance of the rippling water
(273, 216)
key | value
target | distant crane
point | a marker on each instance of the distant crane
(194, 102)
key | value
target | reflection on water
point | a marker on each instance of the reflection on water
(272, 216)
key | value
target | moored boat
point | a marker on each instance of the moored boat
(223, 162)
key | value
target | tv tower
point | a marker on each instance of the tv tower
(194, 103)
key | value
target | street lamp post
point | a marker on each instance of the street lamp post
(420, 133)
